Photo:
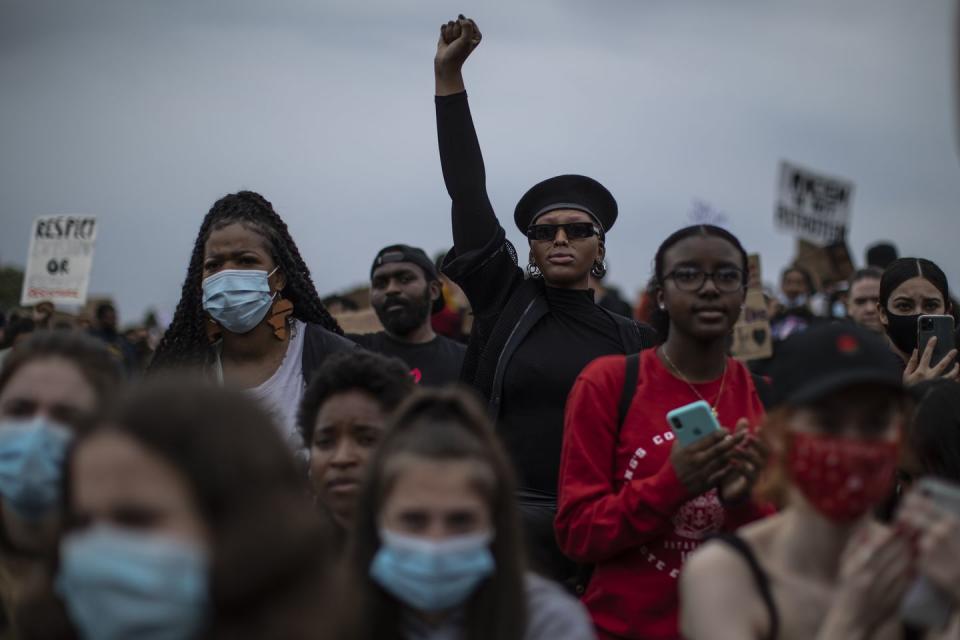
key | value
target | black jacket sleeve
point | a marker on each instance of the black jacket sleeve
(474, 221)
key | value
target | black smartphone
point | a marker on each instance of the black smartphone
(942, 328)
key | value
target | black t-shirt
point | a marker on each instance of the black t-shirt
(433, 363)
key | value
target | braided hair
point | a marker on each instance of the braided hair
(185, 342)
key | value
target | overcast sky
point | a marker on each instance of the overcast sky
(144, 112)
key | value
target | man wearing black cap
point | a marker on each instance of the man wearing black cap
(404, 292)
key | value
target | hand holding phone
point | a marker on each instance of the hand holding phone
(702, 452)
(935, 356)
(932, 512)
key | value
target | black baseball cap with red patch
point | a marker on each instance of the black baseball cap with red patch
(829, 357)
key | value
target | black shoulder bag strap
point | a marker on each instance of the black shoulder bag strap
(630, 378)
(759, 577)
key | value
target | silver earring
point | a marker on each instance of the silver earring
(533, 270)
(599, 269)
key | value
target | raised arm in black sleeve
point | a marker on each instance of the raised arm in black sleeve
(474, 222)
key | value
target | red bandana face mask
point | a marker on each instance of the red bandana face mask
(842, 478)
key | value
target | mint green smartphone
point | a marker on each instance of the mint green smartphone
(692, 422)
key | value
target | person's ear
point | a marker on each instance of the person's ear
(601, 251)
(279, 279)
(884, 320)
(660, 299)
(436, 289)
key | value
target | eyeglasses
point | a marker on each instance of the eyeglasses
(725, 279)
(573, 231)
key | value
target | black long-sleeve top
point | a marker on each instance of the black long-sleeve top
(545, 365)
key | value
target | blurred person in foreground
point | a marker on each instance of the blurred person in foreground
(187, 518)
(437, 551)
(823, 567)
(405, 292)
(249, 315)
(343, 417)
(53, 385)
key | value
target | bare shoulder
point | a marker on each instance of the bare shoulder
(718, 595)
(714, 559)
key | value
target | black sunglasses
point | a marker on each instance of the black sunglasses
(573, 231)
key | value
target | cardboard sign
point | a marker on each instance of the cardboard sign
(813, 206)
(363, 321)
(59, 260)
(754, 277)
(752, 339)
(828, 264)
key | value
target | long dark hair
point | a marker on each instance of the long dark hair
(934, 436)
(660, 319)
(441, 425)
(185, 342)
(268, 543)
(903, 269)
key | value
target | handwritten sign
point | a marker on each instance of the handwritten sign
(752, 339)
(59, 260)
(812, 206)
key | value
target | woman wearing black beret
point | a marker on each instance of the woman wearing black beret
(531, 335)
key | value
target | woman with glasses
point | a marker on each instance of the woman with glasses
(632, 502)
(531, 336)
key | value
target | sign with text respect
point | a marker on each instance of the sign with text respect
(59, 260)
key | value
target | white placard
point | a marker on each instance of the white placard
(811, 205)
(60, 260)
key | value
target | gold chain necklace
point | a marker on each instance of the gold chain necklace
(723, 380)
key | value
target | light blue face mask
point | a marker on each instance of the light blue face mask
(120, 584)
(238, 299)
(32, 452)
(429, 575)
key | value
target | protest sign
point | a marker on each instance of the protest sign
(828, 264)
(813, 206)
(752, 339)
(362, 321)
(59, 260)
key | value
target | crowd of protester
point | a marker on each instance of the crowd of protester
(254, 471)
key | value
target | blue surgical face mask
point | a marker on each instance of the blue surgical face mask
(429, 575)
(238, 299)
(119, 584)
(32, 452)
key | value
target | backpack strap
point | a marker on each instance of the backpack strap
(630, 378)
(760, 579)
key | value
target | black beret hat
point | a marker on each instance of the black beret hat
(567, 192)
(414, 255)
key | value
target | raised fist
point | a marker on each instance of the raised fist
(458, 39)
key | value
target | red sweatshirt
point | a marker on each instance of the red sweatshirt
(621, 505)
